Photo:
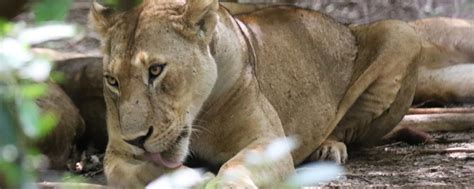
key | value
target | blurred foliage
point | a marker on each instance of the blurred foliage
(5, 27)
(120, 4)
(51, 10)
(22, 81)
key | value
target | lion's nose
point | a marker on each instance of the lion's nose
(140, 141)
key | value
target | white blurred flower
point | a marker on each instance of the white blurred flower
(234, 174)
(275, 151)
(13, 54)
(37, 70)
(46, 33)
(180, 179)
(280, 147)
(254, 158)
(315, 173)
(9, 153)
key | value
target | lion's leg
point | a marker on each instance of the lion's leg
(371, 133)
(372, 116)
(265, 127)
(387, 97)
(375, 113)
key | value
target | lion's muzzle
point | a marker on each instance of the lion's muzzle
(140, 141)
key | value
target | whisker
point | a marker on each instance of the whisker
(199, 129)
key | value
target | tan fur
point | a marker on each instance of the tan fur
(245, 8)
(83, 84)
(446, 73)
(60, 145)
(447, 43)
(451, 39)
(245, 81)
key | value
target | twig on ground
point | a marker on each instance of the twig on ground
(439, 110)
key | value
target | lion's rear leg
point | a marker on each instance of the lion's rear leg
(376, 112)
(387, 97)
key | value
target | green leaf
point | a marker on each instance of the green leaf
(14, 173)
(58, 77)
(5, 27)
(29, 115)
(47, 123)
(7, 134)
(34, 91)
(122, 4)
(51, 10)
(212, 184)
(33, 151)
(34, 125)
(71, 178)
(111, 2)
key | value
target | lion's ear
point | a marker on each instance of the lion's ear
(201, 16)
(100, 18)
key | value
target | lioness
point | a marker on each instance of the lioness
(246, 80)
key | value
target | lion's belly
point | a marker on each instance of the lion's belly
(304, 66)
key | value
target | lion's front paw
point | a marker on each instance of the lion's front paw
(231, 183)
(331, 150)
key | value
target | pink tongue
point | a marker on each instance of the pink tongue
(156, 157)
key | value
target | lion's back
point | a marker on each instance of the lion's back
(304, 66)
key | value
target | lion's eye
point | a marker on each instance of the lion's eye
(155, 70)
(111, 81)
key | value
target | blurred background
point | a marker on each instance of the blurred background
(365, 11)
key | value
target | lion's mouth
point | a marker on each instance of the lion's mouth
(163, 159)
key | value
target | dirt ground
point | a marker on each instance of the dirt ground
(402, 165)
(392, 165)
(389, 166)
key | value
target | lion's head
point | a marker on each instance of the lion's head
(158, 72)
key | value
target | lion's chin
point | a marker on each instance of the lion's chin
(174, 156)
